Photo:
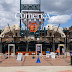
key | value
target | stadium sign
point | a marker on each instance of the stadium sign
(32, 15)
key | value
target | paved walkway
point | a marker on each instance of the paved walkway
(28, 61)
(37, 69)
(30, 65)
(47, 62)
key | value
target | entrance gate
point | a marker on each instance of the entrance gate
(61, 45)
(38, 48)
(11, 45)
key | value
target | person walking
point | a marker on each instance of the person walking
(58, 52)
(63, 52)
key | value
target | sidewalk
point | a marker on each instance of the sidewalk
(28, 61)
(37, 69)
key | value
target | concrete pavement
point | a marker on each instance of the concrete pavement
(36, 69)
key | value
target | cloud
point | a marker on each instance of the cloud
(8, 9)
(57, 6)
(59, 19)
(7, 18)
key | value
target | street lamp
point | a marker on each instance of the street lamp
(20, 16)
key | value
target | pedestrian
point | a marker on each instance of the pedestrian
(58, 52)
(63, 52)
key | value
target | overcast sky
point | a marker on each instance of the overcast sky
(60, 11)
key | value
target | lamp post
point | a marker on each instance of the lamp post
(20, 16)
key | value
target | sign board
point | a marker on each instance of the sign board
(47, 54)
(30, 6)
(19, 57)
(52, 55)
(32, 17)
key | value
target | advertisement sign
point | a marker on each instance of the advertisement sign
(52, 55)
(32, 17)
(19, 57)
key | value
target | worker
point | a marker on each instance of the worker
(58, 52)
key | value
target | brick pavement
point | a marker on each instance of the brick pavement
(28, 61)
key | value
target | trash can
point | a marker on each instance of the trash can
(71, 57)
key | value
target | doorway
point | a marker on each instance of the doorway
(38, 48)
(60, 46)
(61, 49)
(11, 48)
